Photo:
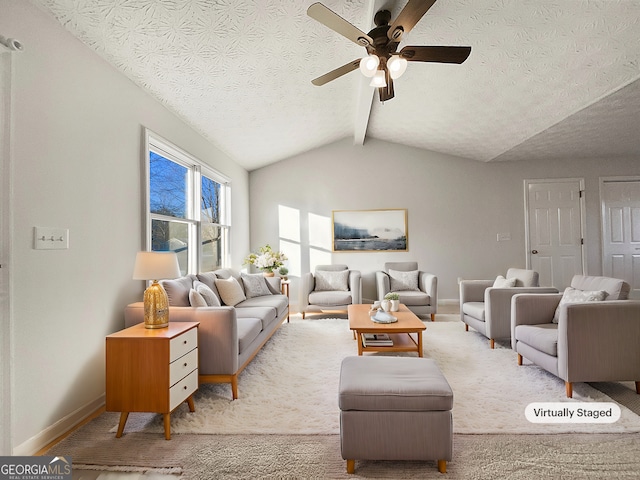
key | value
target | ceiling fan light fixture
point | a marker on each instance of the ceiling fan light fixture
(397, 66)
(378, 80)
(369, 65)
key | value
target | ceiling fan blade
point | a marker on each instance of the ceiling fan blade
(411, 14)
(338, 24)
(338, 72)
(436, 54)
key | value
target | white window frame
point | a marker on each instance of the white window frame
(196, 170)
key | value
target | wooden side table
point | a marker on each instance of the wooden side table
(284, 288)
(151, 370)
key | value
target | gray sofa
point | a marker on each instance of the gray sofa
(593, 340)
(229, 336)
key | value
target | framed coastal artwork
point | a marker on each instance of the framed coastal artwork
(369, 230)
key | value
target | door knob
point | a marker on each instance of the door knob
(534, 251)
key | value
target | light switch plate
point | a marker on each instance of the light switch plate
(504, 237)
(46, 238)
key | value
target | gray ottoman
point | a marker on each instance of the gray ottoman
(394, 408)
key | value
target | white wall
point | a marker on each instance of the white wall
(455, 206)
(77, 126)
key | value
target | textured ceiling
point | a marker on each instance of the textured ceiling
(545, 78)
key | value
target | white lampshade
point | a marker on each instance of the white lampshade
(378, 79)
(156, 266)
(397, 66)
(369, 65)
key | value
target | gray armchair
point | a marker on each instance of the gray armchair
(487, 309)
(594, 341)
(331, 288)
(419, 291)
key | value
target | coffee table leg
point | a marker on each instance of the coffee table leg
(359, 340)
(420, 354)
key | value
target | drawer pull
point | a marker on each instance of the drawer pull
(185, 364)
(185, 387)
(185, 342)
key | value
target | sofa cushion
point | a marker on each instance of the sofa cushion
(405, 384)
(524, 278)
(501, 282)
(178, 290)
(330, 298)
(401, 280)
(616, 288)
(248, 330)
(572, 295)
(474, 309)
(230, 291)
(196, 299)
(410, 297)
(542, 337)
(255, 285)
(209, 279)
(209, 295)
(331, 280)
(278, 304)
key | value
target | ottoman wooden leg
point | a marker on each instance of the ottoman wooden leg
(351, 466)
(442, 466)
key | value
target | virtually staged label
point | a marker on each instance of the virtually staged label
(572, 412)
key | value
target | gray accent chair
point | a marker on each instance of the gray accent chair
(321, 301)
(487, 309)
(592, 341)
(424, 301)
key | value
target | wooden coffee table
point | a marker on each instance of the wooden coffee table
(401, 332)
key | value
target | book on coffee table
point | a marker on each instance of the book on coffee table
(376, 340)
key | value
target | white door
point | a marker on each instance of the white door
(554, 230)
(620, 199)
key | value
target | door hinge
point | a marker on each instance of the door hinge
(582, 241)
(581, 193)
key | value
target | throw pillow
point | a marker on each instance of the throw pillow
(571, 295)
(328, 280)
(502, 282)
(255, 285)
(403, 280)
(196, 300)
(230, 291)
(209, 295)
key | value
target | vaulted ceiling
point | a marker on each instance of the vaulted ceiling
(545, 78)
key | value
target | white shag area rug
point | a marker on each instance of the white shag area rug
(291, 386)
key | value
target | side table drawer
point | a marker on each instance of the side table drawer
(183, 344)
(183, 366)
(181, 390)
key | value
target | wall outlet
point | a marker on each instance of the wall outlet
(46, 238)
(504, 237)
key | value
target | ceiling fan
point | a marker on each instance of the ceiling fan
(383, 62)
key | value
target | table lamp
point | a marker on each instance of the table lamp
(156, 266)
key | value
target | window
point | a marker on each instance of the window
(187, 206)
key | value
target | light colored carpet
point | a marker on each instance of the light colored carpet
(208, 457)
(291, 387)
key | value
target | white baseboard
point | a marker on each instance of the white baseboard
(62, 426)
(449, 301)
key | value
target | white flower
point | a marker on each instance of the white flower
(266, 259)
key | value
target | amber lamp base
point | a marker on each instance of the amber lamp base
(156, 306)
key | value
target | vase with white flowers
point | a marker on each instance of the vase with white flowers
(266, 259)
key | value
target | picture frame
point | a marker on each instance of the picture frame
(369, 230)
